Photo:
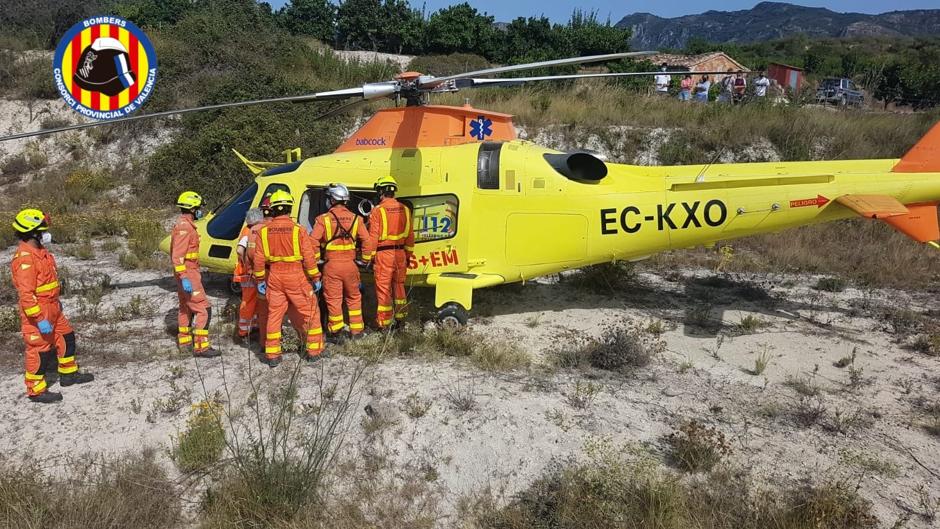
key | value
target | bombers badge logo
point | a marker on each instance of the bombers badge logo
(105, 67)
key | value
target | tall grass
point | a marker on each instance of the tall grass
(615, 493)
(868, 253)
(129, 492)
(280, 456)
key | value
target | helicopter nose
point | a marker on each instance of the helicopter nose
(165, 245)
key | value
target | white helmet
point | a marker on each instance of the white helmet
(338, 192)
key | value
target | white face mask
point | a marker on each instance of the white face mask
(45, 238)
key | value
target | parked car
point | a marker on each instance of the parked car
(839, 91)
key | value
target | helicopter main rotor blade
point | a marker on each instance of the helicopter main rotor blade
(430, 83)
(319, 96)
(479, 83)
(339, 109)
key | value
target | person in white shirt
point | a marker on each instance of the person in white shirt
(662, 81)
(760, 85)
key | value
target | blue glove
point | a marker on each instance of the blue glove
(262, 287)
(317, 286)
(45, 327)
(360, 287)
(187, 285)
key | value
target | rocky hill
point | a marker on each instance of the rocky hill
(773, 20)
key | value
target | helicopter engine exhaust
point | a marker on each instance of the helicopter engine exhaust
(578, 165)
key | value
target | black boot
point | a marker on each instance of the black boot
(272, 362)
(46, 397)
(75, 378)
(208, 353)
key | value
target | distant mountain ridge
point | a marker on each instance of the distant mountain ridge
(774, 20)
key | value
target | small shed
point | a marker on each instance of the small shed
(706, 62)
(786, 76)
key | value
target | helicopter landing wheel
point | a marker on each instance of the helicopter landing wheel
(452, 315)
(236, 288)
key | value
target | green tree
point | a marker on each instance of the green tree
(360, 24)
(154, 13)
(588, 36)
(316, 18)
(404, 28)
(461, 29)
(534, 39)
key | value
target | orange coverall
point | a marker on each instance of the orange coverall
(390, 228)
(286, 258)
(336, 232)
(253, 311)
(36, 281)
(194, 308)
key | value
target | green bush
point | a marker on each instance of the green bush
(143, 236)
(203, 441)
(831, 284)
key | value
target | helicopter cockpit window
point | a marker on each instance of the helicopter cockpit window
(488, 165)
(229, 217)
(434, 217)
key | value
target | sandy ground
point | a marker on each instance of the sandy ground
(524, 419)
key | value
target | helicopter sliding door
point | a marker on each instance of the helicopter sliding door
(314, 203)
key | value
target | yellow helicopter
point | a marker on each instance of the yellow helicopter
(491, 209)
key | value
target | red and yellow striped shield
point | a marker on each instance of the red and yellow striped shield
(105, 67)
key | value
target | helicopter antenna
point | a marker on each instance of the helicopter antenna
(701, 175)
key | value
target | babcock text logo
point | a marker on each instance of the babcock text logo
(105, 67)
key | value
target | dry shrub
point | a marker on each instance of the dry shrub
(624, 346)
(614, 493)
(131, 492)
(605, 278)
(697, 447)
(414, 341)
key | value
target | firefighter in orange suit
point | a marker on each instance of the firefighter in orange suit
(195, 313)
(390, 228)
(285, 259)
(337, 232)
(248, 310)
(49, 338)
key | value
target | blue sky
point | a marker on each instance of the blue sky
(560, 10)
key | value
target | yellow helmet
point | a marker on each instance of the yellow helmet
(29, 220)
(385, 181)
(281, 198)
(189, 200)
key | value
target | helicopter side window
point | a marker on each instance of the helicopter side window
(434, 216)
(229, 217)
(488, 165)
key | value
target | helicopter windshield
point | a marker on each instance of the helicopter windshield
(229, 217)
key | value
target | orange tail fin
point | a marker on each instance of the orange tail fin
(921, 224)
(924, 156)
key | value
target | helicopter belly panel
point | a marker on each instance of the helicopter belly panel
(545, 238)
